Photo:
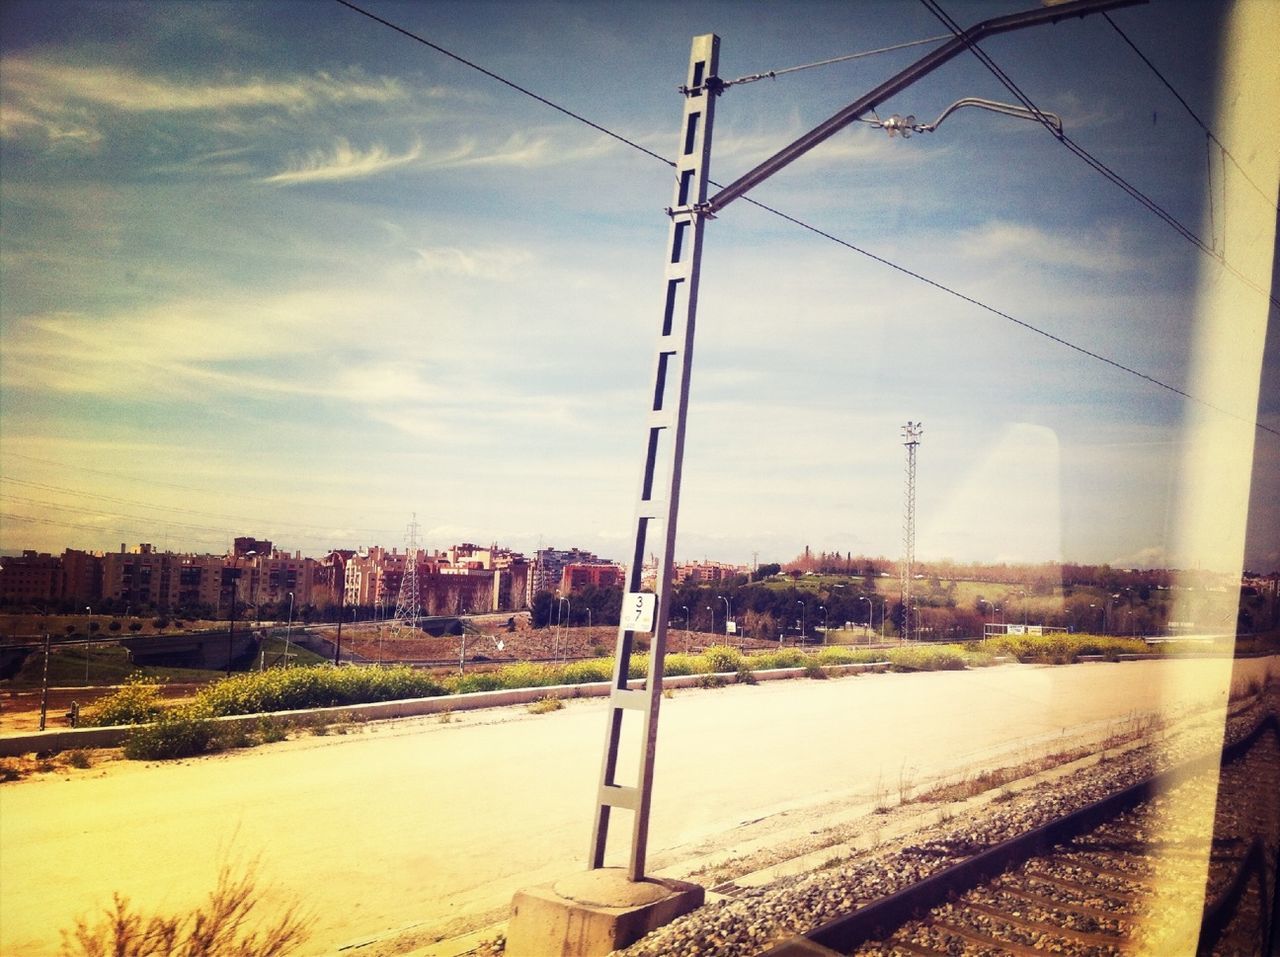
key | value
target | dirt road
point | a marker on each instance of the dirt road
(439, 823)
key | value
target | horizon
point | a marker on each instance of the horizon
(282, 268)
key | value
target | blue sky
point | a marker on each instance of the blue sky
(277, 270)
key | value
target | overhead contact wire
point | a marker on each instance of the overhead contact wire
(1187, 106)
(870, 255)
(1097, 164)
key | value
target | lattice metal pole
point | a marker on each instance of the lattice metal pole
(659, 494)
(911, 432)
(408, 602)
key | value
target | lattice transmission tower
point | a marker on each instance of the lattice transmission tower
(408, 602)
(911, 432)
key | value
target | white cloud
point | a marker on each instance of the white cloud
(344, 162)
(1009, 241)
(494, 263)
(50, 86)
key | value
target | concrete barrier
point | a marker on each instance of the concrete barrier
(111, 737)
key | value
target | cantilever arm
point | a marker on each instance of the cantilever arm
(896, 84)
(1008, 109)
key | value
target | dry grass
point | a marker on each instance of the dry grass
(220, 927)
(1136, 728)
(544, 705)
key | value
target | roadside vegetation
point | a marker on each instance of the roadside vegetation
(1063, 648)
(167, 730)
(223, 925)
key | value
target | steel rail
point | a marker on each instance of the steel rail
(880, 918)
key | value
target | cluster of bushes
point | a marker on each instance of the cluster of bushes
(1060, 647)
(322, 686)
(191, 728)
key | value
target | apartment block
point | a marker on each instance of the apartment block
(575, 577)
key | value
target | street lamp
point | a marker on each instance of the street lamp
(287, 629)
(983, 601)
(728, 613)
(688, 639)
(823, 609)
(801, 604)
(870, 615)
(568, 611)
(88, 611)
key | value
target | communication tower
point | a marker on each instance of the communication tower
(408, 604)
(911, 432)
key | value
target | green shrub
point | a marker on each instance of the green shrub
(679, 663)
(316, 686)
(846, 656)
(1058, 647)
(586, 672)
(927, 658)
(722, 659)
(639, 666)
(271, 730)
(782, 658)
(544, 705)
(815, 670)
(136, 703)
(473, 683)
(525, 674)
(178, 733)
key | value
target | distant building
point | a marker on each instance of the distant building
(81, 576)
(461, 579)
(575, 577)
(244, 545)
(30, 577)
(141, 576)
(549, 564)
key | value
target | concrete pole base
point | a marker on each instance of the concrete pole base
(594, 912)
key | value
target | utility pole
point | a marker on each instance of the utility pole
(659, 493)
(911, 432)
(658, 500)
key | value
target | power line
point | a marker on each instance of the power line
(773, 74)
(1187, 106)
(504, 81)
(1004, 315)
(1097, 164)
(880, 259)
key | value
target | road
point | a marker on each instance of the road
(434, 822)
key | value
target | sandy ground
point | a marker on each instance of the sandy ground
(433, 826)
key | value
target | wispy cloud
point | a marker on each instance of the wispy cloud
(495, 263)
(343, 162)
(50, 86)
(1007, 240)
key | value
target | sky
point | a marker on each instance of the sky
(278, 270)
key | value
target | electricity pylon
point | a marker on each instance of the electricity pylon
(408, 604)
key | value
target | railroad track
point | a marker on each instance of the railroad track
(1111, 878)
